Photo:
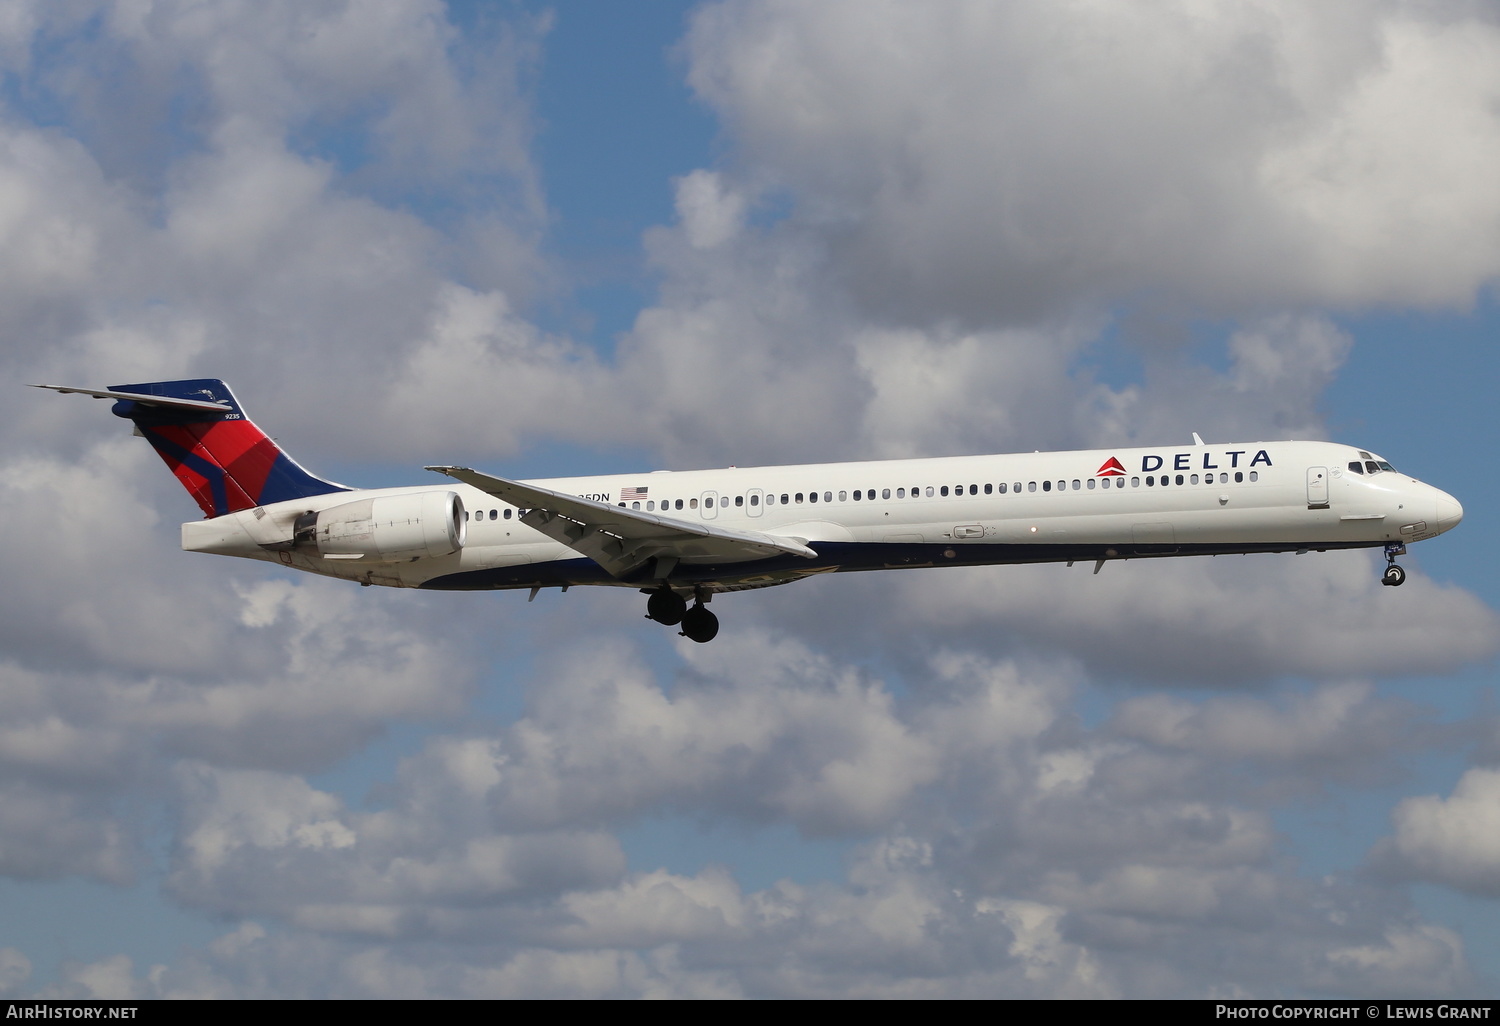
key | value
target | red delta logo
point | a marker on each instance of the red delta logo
(1111, 468)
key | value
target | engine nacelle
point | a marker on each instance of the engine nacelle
(388, 528)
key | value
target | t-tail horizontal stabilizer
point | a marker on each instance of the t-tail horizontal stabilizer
(224, 461)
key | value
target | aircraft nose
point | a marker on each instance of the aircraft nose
(1449, 512)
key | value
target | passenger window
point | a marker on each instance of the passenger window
(692, 504)
(885, 493)
(783, 498)
(651, 504)
(708, 503)
(1179, 479)
(494, 514)
(973, 489)
(739, 500)
(678, 504)
(988, 489)
(1239, 477)
(1076, 484)
(799, 498)
(1254, 475)
(1015, 487)
(900, 493)
(1092, 486)
(843, 496)
(1046, 486)
(1135, 482)
(1031, 486)
(812, 496)
(929, 491)
(944, 490)
(755, 500)
(507, 514)
(1195, 479)
(1150, 481)
(827, 496)
(857, 495)
(1002, 487)
(635, 505)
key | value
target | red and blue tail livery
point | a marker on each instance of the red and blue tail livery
(224, 461)
(690, 535)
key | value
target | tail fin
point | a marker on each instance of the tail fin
(220, 456)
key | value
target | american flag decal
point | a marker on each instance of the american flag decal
(632, 493)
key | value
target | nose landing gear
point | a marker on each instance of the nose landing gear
(1394, 576)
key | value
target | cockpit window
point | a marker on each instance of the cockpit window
(1383, 465)
(1356, 466)
(1372, 466)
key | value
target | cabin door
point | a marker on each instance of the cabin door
(1317, 487)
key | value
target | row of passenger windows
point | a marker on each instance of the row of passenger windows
(930, 491)
(934, 491)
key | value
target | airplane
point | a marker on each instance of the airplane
(678, 536)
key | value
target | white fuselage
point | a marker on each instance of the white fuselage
(1027, 507)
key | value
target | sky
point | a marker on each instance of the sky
(599, 237)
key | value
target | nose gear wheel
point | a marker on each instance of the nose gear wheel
(1394, 576)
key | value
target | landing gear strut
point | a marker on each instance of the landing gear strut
(1394, 575)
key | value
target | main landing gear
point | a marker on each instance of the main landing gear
(665, 606)
(1394, 575)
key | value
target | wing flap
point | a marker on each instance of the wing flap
(622, 540)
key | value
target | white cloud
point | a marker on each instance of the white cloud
(15, 969)
(1209, 621)
(999, 162)
(1414, 957)
(818, 744)
(1454, 840)
(710, 213)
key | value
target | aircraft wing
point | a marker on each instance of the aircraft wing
(622, 540)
